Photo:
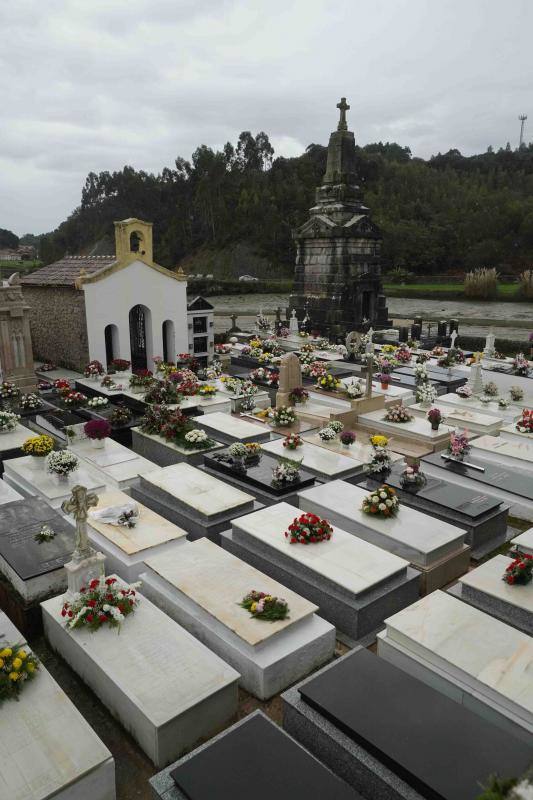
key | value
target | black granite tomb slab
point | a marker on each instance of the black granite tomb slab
(258, 475)
(510, 480)
(438, 375)
(437, 746)
(55, 422)
(408, 382)
(31, 412)
(20, 520)
(257, 759)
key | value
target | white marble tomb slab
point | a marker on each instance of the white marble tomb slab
(487, 578)
(118, 465)
(32, 479)
(165, 687)
(358, 451)
(511, 413)
(231, 428)
(47, 749)
(392, 392)
(316, 460)
(344, 560)
(126, 548)
(518, 454)
(209, 405)
(198, 490)
(121, 381)
(417, 429)
(524, 542)
(510, 434)
(473, 421)
(420, 538)
(15, 438)
(8, 494)
(488, 660)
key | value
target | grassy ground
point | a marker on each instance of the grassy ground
(449, 291)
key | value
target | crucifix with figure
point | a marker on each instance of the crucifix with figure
(343, 108)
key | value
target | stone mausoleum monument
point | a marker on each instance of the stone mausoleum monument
(338, 271)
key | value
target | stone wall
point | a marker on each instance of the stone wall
(58, 325)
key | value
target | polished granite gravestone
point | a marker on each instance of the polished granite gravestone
(126, 548)
(409, 382)
(11, 443)
(165, 687)
(31, 570)
(515, 454)
(47, 748)
(354, 583)
(508, 484)
(417, 430)
(235, 762)
(55, 423)
(163, 453)
(433, 547)
(482, 516)
(437, 375)
(228, 429)
(29, 476)
(200, 503)
(391, 736)
(256, 477)
(475, 659)
(324, 464)
(484, 588)
(201, 587)
(455, 417)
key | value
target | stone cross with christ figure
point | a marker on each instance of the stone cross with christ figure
(343, 108)
(78, 505)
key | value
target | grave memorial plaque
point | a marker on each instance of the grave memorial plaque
(240, 765)
(418, 733)
(258, 475)
(510, 480)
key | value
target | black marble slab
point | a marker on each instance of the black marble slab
(259, 475)
(408, 382)
(257, 760)
(20, 520)
(509, 479)
(448, 496)
(437, 746)
(438, 375)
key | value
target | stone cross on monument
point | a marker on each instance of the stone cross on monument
(453, 337)
(293, 322)
(343, 108)
(86, 563)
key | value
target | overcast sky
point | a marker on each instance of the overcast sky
(96, 84)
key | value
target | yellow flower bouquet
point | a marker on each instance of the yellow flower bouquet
(39, 446)
(17, 666)
(377, 440)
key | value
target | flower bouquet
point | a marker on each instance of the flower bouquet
(384, 379)
(8, 421)
(223, 349)
(62, 385)
(347, 438)
(196, 439)
(503, 403)
(403, 354)
(265, 606)
(490, 389)
(44, 386)
(435, 417)
(425, 393)
(141, 381)
(248, 392)
(121, 415)
(94, 369)
(154, 419)
(108, 383)
(97, 402)
(437, 351)
(309, 529)
(420, 373)
(103, 602)
(329, 383)
(120, 364)
(397, 414)
(73, 400)
(382, 502)
(207, 390)
(17, 667)
(525, 423)
(61, 463)
(48, 367)
(292, 441)
(253, 452)
(519, 571)
(30, 402)
(44, 534)
(97, 430)
(38, 446)
(162, 393)
(238, 453)
(286, 472)
(381, 460)
(521, 365)
(9, 392)
(459, 446)
(283, 416)
(412, 477)
(517, 394)
(355, 390)
(327, 434)
(464, 391)
(298, 395)
(422, 358)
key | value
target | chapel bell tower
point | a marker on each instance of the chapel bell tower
(133, 240)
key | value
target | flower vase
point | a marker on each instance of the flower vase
(346, 446)
(60, 478)
(435, 426)
(384, 386)
(97, 444)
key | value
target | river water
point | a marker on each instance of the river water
(400, 308)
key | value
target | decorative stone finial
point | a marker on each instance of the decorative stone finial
(343, 108)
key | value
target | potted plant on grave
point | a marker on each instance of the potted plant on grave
(412, 477)
(73, 400)
(248, 392)
(382, 502)
(186, 382)
(8, 421)
(9, 394)
(490, 389)
(435, 417)
(520, 570)
(162, 393)
(517, 394)
(120, 365)
(403, 354)
(521, 365)
(154, 419)
(286, 471)
(385, 380)
(208, 391)
(94, 370)
(298, 395)
(38, 447)
(283, 416)
(380, 462)
(265, 606)
(196, 439)
(292, 441)
(425, 394)
(309, 528)
(17, 667)
(525, 423)
(97, 431)
(238, 454)
(329, 383)
(347, 438)
(61, 463)
(398, 414)
(97, 402)
(355, 390)
(253, 452)
(141, 381)
(327, 434)
(30, 402)
(459, 446)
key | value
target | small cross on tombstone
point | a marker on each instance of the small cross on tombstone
(78, 505)
(343, 108)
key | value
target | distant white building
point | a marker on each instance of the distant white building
(247, 278)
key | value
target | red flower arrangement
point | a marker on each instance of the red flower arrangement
(120, 364)
(525, 423)
(298, 395)
(292, 441)
(103, 601)
(97, 429)
(309, 529)
(519, 571)
(62, 385)
(73, 399)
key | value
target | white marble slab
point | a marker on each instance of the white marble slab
(316, 460)
(524, 542)
(121, 380)
(163, 685)
(420, 538)
(8, 494)
(511, 413)
(489, 661)
(32, 479)
(118, 466)
(344, 560)
(510, 434)
(224, 425)
(15, 438)
(517, 453)
(487, 578)
(359, 452)
(417, 429)
(472, 421)
(47, 749)
(196, 489)
(209, 405)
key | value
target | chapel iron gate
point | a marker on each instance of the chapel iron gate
(138, 338)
